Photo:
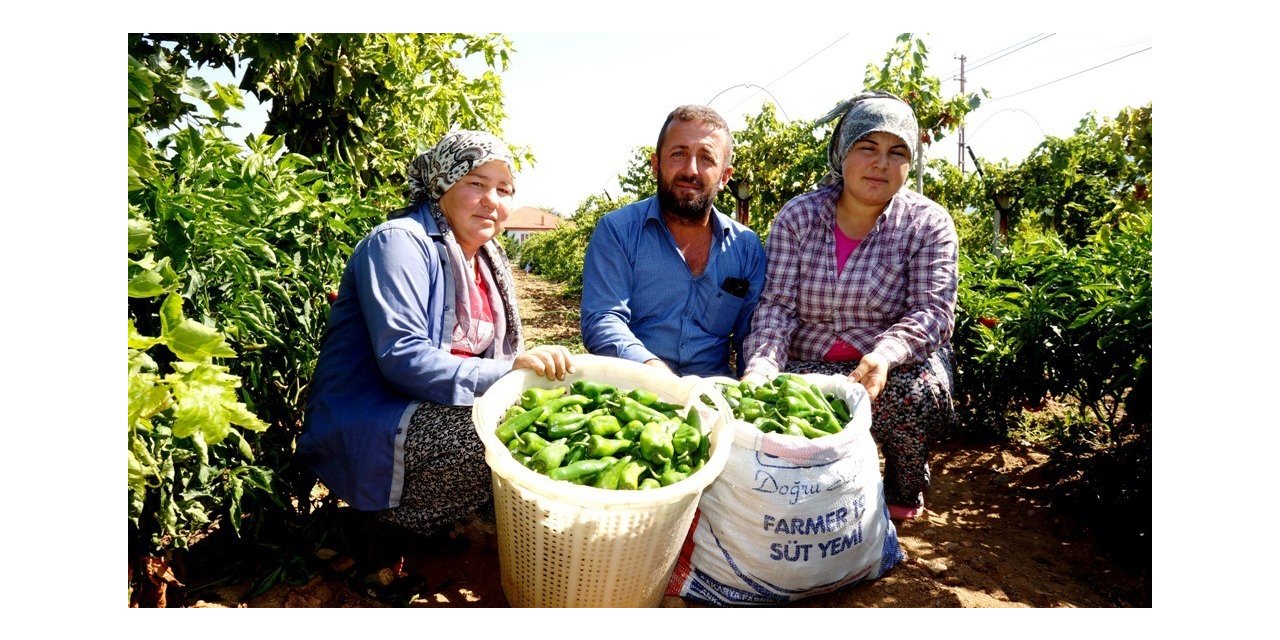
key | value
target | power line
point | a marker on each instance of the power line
(983, 64)
(955, 72)
(748, 85)
(1070, 76)
(775, 80)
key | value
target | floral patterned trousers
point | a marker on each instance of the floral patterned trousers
(914, 405)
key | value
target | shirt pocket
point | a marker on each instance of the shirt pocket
(887, 290)
(721, 312)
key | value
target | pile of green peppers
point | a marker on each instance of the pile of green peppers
(595, 434)
(789, 405)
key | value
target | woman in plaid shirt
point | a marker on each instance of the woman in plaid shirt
(861, 281)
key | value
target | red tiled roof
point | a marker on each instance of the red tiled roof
(531, 219)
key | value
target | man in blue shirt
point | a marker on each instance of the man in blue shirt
(670, 281)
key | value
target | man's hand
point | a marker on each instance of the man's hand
(755, 379)
(658, 363)
(872, 372)
(550, 361)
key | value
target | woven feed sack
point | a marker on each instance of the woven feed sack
(791, 517)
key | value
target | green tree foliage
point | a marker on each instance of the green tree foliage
(252, 236)
(637, 180)
(1069, 184)
(190, 464)
(902, 73)
(557, 255)
(779, 161)
(372, 100)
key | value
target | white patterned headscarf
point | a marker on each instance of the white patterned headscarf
(457, 154)
(861, 116)
(430, 175)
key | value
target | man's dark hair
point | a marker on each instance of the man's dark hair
(697, 113)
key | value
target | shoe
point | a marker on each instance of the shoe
(899, 512)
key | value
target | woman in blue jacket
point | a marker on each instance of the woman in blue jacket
(424, 322)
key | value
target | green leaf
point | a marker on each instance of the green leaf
(147, 397)
(205, 401)
(146, 284)
(140, 236)
(139, 341)
(196, 342)
(235, 513)
(141, 84)
(140, 161)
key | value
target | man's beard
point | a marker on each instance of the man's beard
(691, 208)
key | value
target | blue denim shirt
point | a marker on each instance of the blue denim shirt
(385, 349)
(640, 301)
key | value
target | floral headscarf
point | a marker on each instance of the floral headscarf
(430, 175)
(457, 154)
(862, 115)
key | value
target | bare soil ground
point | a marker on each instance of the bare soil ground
(994, 535)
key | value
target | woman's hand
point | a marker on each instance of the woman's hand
(872, 372)
(550, 361)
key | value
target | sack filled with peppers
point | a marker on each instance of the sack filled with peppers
(787, 404)
(595, 434)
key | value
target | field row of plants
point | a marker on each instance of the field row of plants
(234, 246)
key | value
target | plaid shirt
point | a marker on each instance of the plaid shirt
(895, 297)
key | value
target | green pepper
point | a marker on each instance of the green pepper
(508, 430)
(765, 393)
(577, 451)
(566, 423)
(655, 443)
(599, 447)
(632, 430)
(686, 439)
(665, 407)
(806, 428)
(730, 392)
(560, 404)
(512, 411)
(643, 396)
(840, 407)
(693, 418)
(650, 483)
(535, 397)
(749, 409)
(629, 410)
(630, 476)
(531, 442)
(522, 458)
(796, 386)
(795, 406)
(581, 471)
(673, 474)
(549, 457)
(610, 478)
(597, 391)
(769, 425)
(604, 425)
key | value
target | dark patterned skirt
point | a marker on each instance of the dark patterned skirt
(445, 477)
(914, 406)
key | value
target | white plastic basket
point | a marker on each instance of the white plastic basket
(567, 545)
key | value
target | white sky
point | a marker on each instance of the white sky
(582, 102)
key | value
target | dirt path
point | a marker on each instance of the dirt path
(989, 538)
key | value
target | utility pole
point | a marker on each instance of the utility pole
(960, 161)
